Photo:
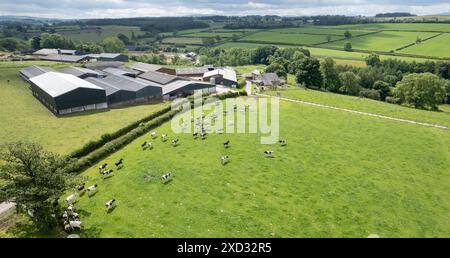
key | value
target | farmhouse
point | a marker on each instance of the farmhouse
(33, 71)
(65, 93)
(251, 75)
(268, 79)
(81, 72)
(223, 76)
(143, 67)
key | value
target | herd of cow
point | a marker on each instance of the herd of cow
(71, 218)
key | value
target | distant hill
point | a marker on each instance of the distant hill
(397, 14)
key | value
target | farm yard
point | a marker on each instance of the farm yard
(18, 108)
(294, 194)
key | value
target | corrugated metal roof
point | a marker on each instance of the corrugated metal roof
(176, 85)
(57, 84)
(79, 71)
(54, 51)
(127, 83)
(35, 70)
(158, 77)
(105, 55)
(227, 73)
(64, 58)
(110, 89)
(121, 71)
(104, 65)
(143, 67)
(192, 70)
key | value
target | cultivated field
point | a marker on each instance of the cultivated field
(341, 175)
(25, 118)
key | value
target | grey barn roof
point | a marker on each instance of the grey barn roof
(158, 77)
(54, 51)
(103, 65)
(56, 84)
(226, 73)
(127, 83)
(192, 70)
(109, 88)
(143, 67)
(268, 79)
(121, 71)
(81, 72)
(64, 58)
(34, 70)
(176, 85)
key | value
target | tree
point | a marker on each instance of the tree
(330, 75)
(33, 179)
(348, 46)
(123, 38)
(208, 41)
(113, 45)
(234, 37)
(329, 38)
(348, 34)
(373, 60)
(55, 41)
(36, 43)
(309, 73)
(424, 90)
(276, 68)
(383, 88)
(350, 83)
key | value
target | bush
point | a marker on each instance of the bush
(371, 94)
(392, 100)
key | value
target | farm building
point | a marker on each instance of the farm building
(109, 57)
(268, 79)
(176, 86)
(223, 76)
(65, 93)
(115, 95)
(122, 71)
(193, 71)
(142, 90)
(251, 75)
(143, 68)
(81, 72)
(103, 65)
(54, 51)
(33, 71)
(65, 58)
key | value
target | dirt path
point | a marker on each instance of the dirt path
(360, 113)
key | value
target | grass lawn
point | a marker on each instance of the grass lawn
(25, 118)
(341, 175)
(434, 47)
(383, 41)
(368, 105)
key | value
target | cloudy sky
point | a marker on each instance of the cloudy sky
(139, 8)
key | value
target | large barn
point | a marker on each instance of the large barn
(144, 68)
(65, 93)
(224, 76)
(33, 71)
(109, 57)
(81, 72)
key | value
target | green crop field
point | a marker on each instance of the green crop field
(437, 46)
(383, 41)
(105, 32)
(25, 118)
(341, 175)
(288, 38)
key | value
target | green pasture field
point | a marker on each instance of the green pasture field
(25, 118)
(210, 35)
(106, 31)
(319, 30)
(383, 41)
(438, 46)
(340, 175)
(432, 27)
(367, 105)
(182, 40)
(294, 38)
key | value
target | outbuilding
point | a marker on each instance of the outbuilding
(109, 57)
(223, 76)
(65, 93)
(81, 72)
(33, 71)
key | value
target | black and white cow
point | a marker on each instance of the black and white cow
(102, 167)
(269, 154)
(166, 177)
(91, 189)
(154, 135)
(224, 160)
(164, 137)
(203, 135)
(71, 199)
(226, 144)
(119, 163)
(150, 145)
(282, 142)
(144, 145)
(195, 135)
(80, 187)
(175, 142)
(110, 204)
(107, 173)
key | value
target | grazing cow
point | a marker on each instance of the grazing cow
(71, 208)
(80, 187)
(164, 137)
(144, 145)
(225, 160)
(150, 145)
(76, 216)
(71, 225)
(166, 177)
(226, 144)
(154, 135)
(203, 135)
(107, 173)
(110, 204)
(282, 142)
(102, 167)
(175, 142)
(65, 215)
(119, 163)
(269, 154)
(71, 198)
(195, 135)
(91, 189)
